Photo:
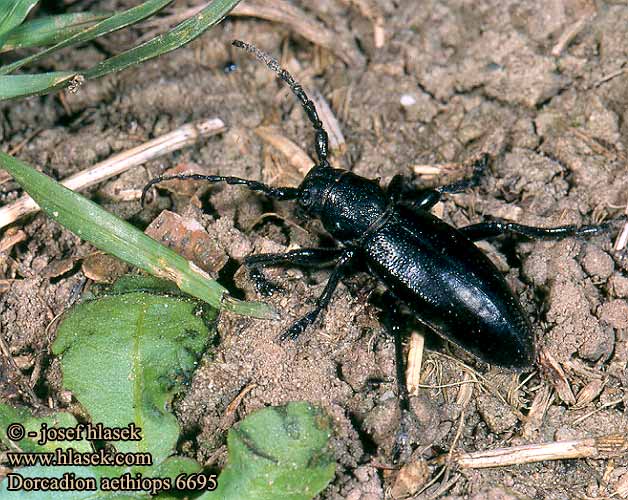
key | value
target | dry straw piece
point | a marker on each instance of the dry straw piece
(612, 445)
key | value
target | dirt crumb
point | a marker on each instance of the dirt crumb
(615, 313)
(618, 284)
(597, 263)
(498, 494)
(497, 415)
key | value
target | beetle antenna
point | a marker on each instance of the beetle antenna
(321, 139)
(280, 193)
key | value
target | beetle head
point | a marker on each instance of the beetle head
(346, 204)
(315, 187)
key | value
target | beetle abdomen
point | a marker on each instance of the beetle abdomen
(451, 286)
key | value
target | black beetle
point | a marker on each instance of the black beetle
(430, 266)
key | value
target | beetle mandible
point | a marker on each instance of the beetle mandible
(432, 267)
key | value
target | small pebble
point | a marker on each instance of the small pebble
(407, 100)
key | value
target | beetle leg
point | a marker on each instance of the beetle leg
(495, 228)
(392, 321)
(323, 301)
(280, 193)
(402, 190)
(479, 166)
(306, 257)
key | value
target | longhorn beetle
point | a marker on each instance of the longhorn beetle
(430, 266)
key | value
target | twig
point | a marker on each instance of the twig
(610, 76)
(426, 169)
(622, 239)
(16, 149)
(484, 383)
(228, 417)
(595, 145)
(612, 445)
(117, 164)
(435, 169)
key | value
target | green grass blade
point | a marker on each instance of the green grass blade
(12, 86)
(183, 33)
(113, 23)
(12, 14)
(119, 238)
(49, 30)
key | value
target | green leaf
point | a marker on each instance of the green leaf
(125, 356)
(13, 14)
(13, 86)
(173, 466)
(277, 453)
(49, 30)
(136, 283)
(169, 468)
(119, 238)
(113, 23)
(9, 415)
(182, 34)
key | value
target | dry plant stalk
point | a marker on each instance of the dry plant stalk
(281, 11)
(330, 122)
(183, 136)
(609, 446)
(570, 34)
(556, 376)
(415, 359)
(11, 238)
(303, 24)
(228, 417)
(622, 237)
(439, 168)
(540, 404)
(467, 387)
(370, 10)
(297, 158)
(431, 169)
